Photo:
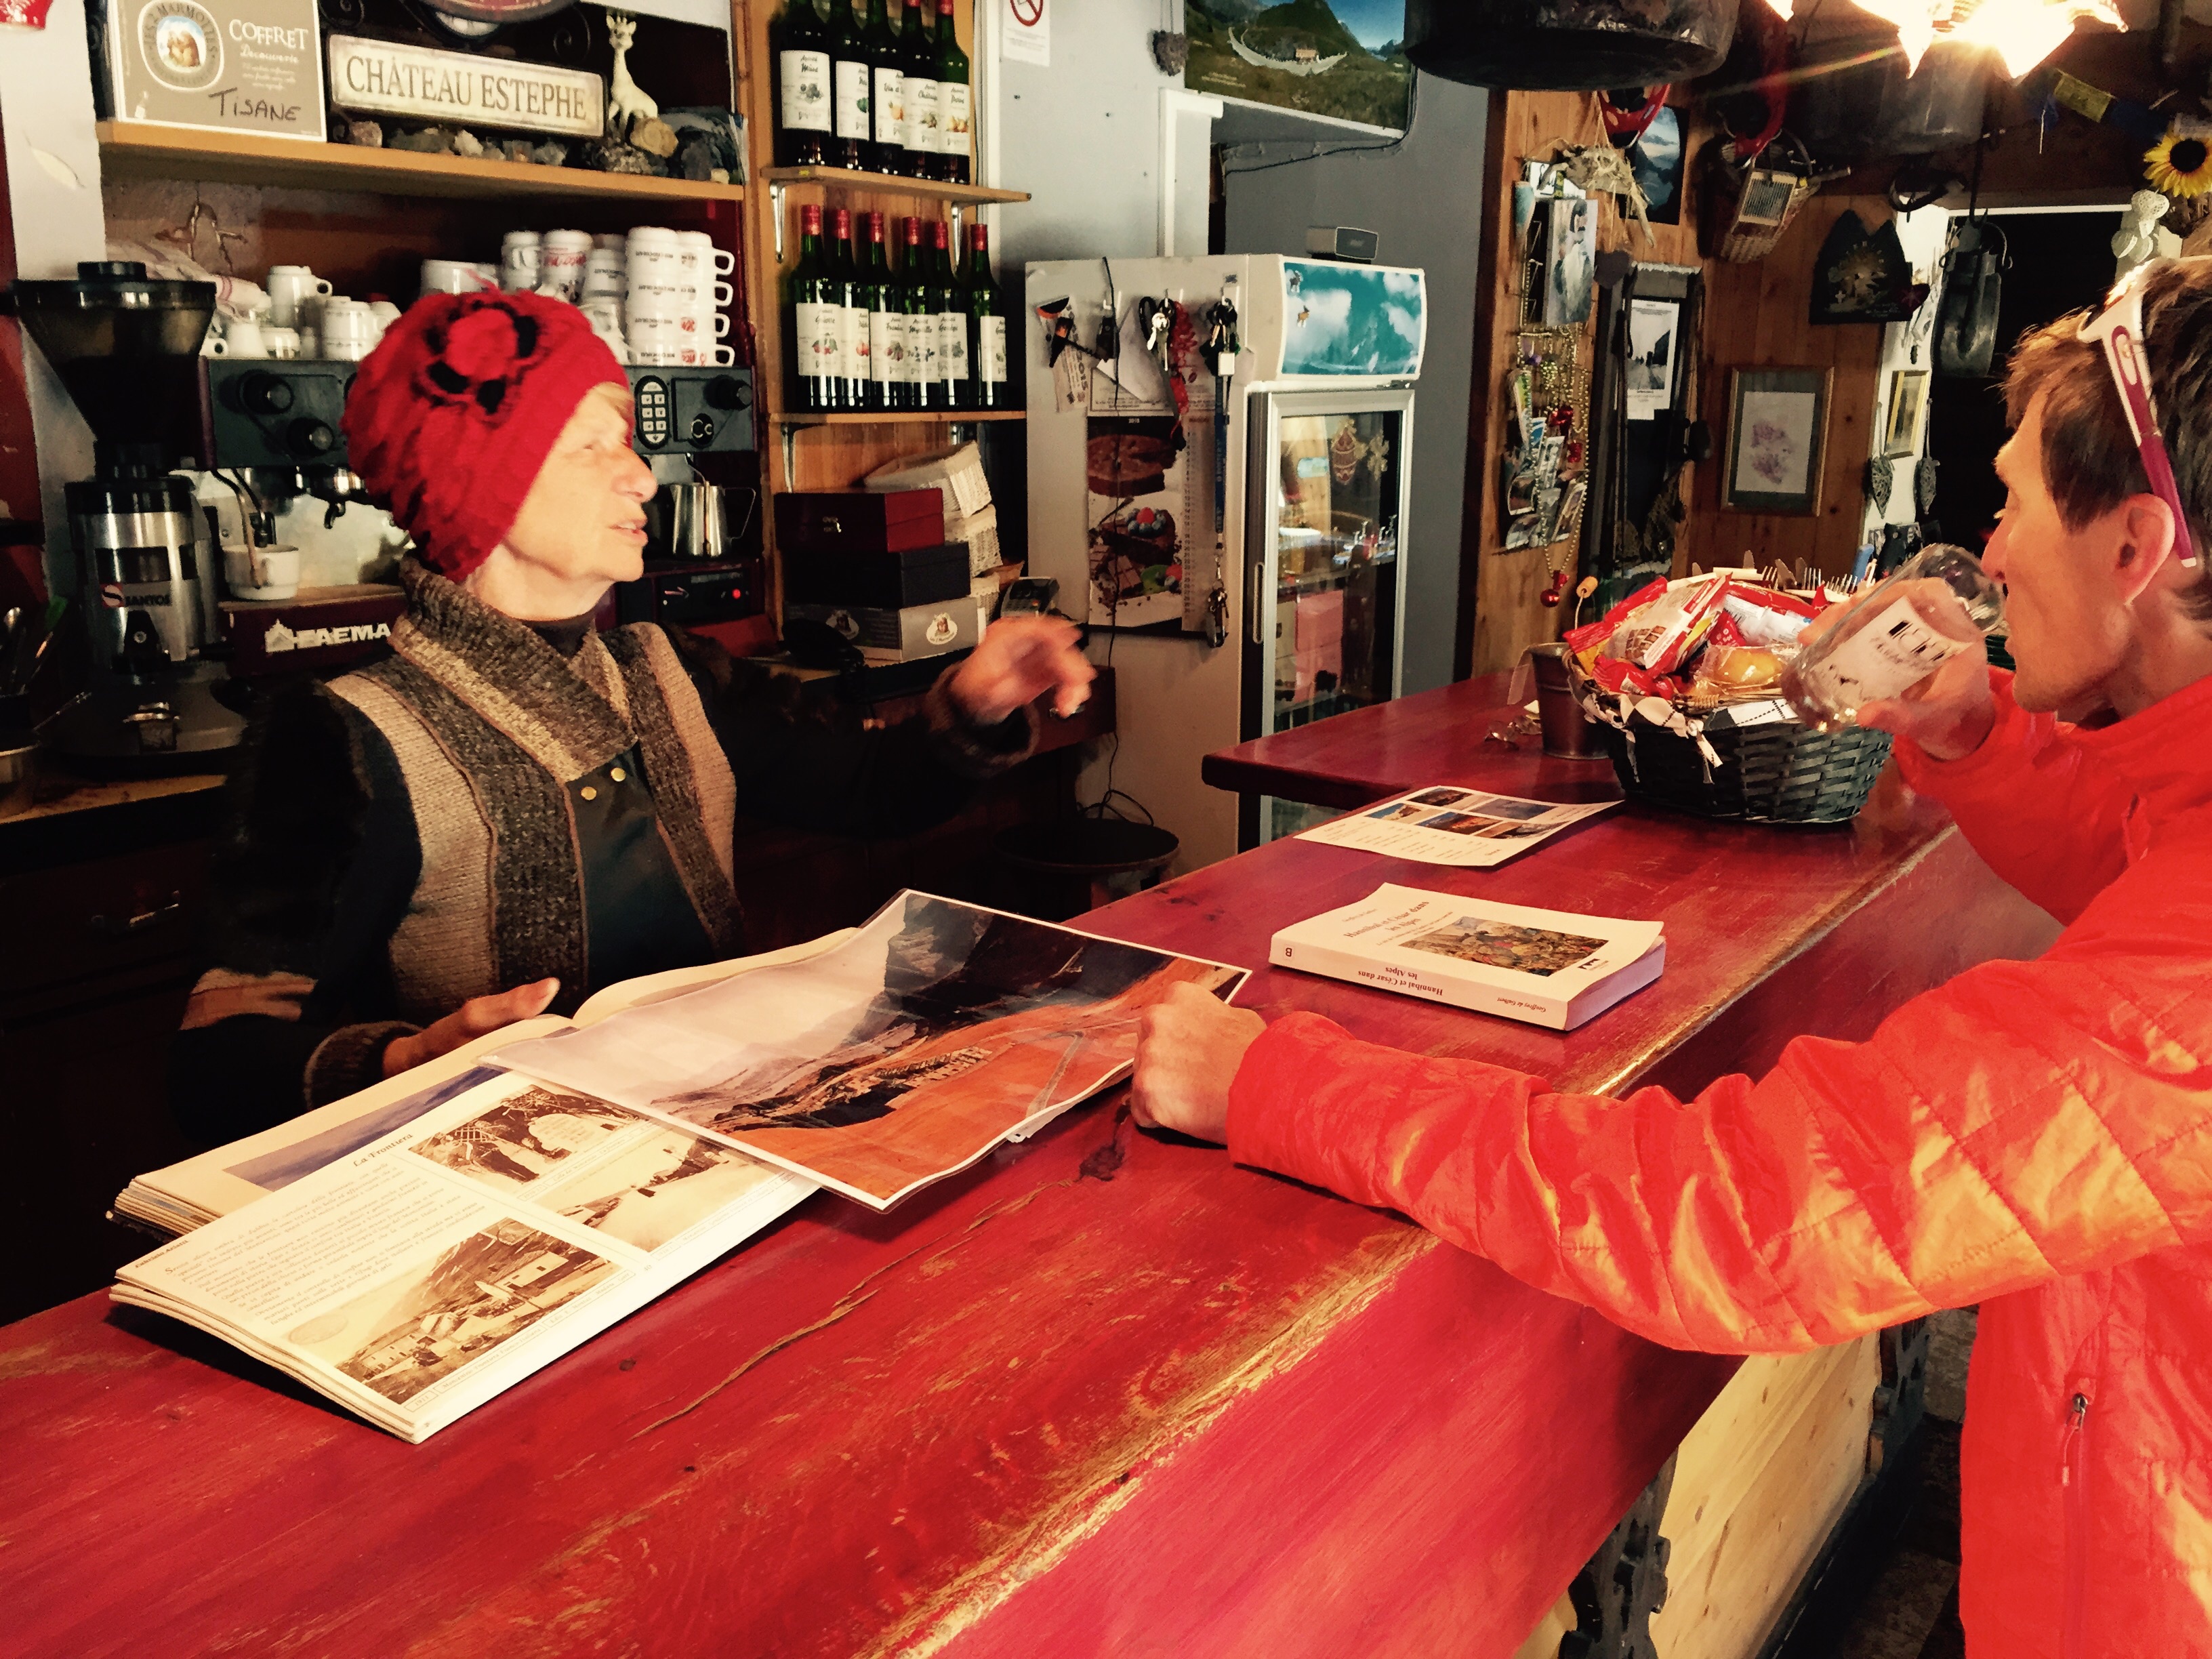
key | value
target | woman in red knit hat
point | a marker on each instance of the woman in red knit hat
(513, 809)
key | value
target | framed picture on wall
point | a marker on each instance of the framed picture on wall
(1777, 439)
(1908, 390)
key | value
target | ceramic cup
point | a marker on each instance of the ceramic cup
(386, 313)
(242, 336)
(655, 333)
(561, 265)
(261, 573)
(606, 276)
(711, 324)
(698, 246)
(348, 330)
(289, 285)
(520, 253)
(450, 276)
(605, 317)
(283, 343)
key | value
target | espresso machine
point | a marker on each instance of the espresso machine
(126, 349)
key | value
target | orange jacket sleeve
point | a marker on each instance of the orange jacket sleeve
(2040, 812)
(2025, 1120)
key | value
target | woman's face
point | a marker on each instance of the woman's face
(584, 518)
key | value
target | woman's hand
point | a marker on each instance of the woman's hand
(477, 1016)
(1189, 1049)
(1020, 660)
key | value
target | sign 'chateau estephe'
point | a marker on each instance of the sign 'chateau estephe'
(379, 77)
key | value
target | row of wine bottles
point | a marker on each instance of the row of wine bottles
(854, 92)
(866, 336)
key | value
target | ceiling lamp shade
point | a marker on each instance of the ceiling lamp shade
(1568, 45)
(2022, 32)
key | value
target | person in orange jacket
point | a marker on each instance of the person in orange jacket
(2034, 1137)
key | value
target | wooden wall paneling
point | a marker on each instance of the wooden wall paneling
(1757, 317)
(1508, 615)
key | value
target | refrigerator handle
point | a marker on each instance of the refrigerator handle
(1252, 585)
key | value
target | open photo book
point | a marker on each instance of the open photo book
(1546, 967)
(413, 1251)
(1444, 824)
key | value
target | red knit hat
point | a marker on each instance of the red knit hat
(451, 417)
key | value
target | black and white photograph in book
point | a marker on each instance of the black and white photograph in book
(526, 1136)
(659, 1184)
(429, 1322)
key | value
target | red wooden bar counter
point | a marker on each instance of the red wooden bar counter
(1106, 1393)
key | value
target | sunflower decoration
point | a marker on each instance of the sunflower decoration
(2180, 163)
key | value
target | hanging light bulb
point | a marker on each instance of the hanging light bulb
(2023, 32)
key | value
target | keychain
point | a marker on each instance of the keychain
(1222, 346)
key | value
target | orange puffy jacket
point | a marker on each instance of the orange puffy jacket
(2034, 1137)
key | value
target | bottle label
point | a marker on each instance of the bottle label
(816, 339)
(1882, 657)
(853, 101)
(991, 348)
(955, 116)
(805, 90)
(921, 115)
(881, 366)
(921, 348)
(889, 107)
(887, 348)
(852, 343)
(951, 345)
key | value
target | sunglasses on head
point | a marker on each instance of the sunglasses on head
(2119, 328)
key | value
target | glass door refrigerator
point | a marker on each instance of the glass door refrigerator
(1238, 557)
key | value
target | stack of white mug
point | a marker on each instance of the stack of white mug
(672, 306)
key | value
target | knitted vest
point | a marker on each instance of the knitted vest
(490, 726)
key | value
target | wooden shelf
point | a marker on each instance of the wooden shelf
(144, 150)
(889, 182)
(894, 416)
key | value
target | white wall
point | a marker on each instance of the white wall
(1922, 235)
(1425, 199)
(1082, 136)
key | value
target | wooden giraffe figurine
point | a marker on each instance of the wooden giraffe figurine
(627, 104)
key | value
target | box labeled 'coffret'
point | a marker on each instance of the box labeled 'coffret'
(920, 631)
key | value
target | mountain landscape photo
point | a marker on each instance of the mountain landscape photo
(1342, 58)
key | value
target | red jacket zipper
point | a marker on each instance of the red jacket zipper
(2073, 1477)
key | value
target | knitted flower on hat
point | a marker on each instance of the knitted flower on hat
(451, 417)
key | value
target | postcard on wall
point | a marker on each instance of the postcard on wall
(1446, 824)
(936, 1031)
(1653, 326)
(233, 65)
(1144, 515)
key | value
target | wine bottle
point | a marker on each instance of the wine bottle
(814, 319)
(851, 314)
(886, 325)
(950, 389)
(851, 145)
(915, 292)
(887, 98)
(987, 334)
(956, 110)
(802, 86)
(920, 52)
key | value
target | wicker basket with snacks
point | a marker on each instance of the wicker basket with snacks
(1685, 678)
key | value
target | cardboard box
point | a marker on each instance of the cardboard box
(958, 472)
(979, 531)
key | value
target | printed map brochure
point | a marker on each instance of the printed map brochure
(1445, 824)
(1546, 967)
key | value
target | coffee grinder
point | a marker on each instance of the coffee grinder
(127, 349)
